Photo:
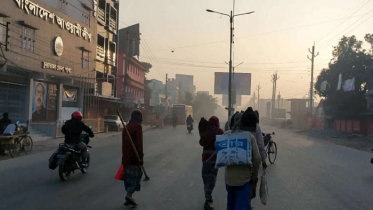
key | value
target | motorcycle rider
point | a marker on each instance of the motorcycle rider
(189, 121)
(72, 130)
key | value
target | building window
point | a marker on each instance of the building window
(62, 5)
(86, 19)
(28, 39)
(85, 60)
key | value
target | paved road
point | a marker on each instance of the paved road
(307, 175)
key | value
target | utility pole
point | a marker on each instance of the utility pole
(166, 90)
(258, 88)
(230, 68)
(179, 98)
(254, 99)
(312, 59)
(274, 81)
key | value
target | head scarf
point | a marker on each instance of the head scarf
(136, 116)
(249, 119)
(214, 121)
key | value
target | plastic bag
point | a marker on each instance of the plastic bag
(120, 173)
(263, 190)
(53, 161)
(233, 149)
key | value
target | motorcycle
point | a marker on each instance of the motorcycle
(190, 128)
(67, 159)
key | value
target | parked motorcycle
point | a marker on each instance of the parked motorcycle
(190, 128)
(67, 159)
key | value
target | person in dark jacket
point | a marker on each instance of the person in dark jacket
(209, 173)
(130, 162)
(4, 122)
(72, 130)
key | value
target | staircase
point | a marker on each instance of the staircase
(38, 136)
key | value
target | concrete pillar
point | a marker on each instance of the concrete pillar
(59, 101)
(30, 99)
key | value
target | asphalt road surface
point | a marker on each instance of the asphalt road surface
(306, 175)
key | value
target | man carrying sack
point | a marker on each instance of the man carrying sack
(241, 178)
(130, 161)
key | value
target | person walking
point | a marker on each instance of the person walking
(131, 163)
(4, 122)
(209, 173)
(260, 141)
(242, 179)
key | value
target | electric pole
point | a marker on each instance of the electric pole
(258, 88)
(274, 81)
(312, 59)
(166, 88)
(254, 98)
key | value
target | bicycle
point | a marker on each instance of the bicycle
(270, 147)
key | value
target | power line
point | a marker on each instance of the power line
(325, 44)
(344, 21)
(265, 33)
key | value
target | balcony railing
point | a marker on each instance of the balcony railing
(101, 18)
(100, 53)
(113, 25)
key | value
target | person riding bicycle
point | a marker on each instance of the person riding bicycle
(72, 130)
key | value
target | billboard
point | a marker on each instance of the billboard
(238, 100)
(241, 83)
(130, 36)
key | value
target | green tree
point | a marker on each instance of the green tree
(147, 66)
(188, 99)
(204, 105)
(349, 59)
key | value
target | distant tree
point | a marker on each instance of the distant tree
(350, 60)
(204, 105)
(369, 38)
(188, 99)
(147, 66)
(147, 93)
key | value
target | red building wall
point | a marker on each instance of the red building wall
(136, 73)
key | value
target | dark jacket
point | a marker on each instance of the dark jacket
(4, 122)
(208, 141)
(72, 130)
(189, 120)
(128, 154)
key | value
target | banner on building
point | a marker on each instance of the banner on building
(241, 83)
(44, 103)
(70, 95)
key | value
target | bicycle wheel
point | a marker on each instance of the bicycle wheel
(15, 148)
(272, 152)
(27, 144)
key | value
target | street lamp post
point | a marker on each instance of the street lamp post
(231, 19)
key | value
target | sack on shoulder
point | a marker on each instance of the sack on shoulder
(233, 149)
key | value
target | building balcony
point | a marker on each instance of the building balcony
(101, 17)
(100, 53)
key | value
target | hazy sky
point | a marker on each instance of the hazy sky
(276, 37)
